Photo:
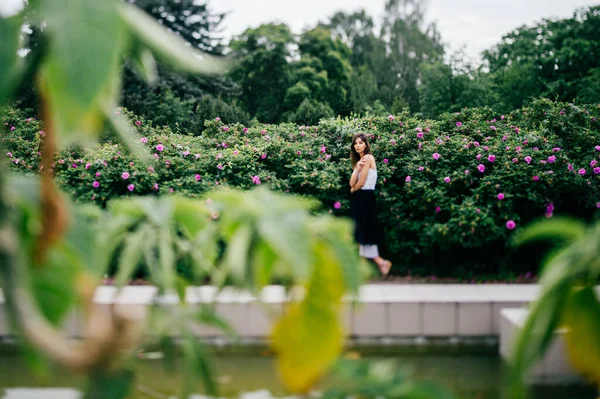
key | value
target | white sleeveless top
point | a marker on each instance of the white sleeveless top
(371, 180)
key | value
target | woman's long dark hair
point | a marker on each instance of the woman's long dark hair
(355, 156)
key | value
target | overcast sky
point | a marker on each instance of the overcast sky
(474, 24)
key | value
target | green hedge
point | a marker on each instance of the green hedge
(442, 216)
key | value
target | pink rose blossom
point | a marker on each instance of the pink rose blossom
(408, 179)
(420, 135)
(556, 149)
(458, 124)
(597, 148)
(198, 177)
(501, 196)
(570, 167)
(150, 169)
(515, 160)
(536, 178)
(155, 187)
(421, 168)
(511, 225)
(528, 159)
(391, 118)
(256, 180)
(593, 163)
(478, 157)
(323, 149)
(220, 167)
(263, 132)
(597, 170)
(217, 119)
(225, 128)
(144, 140)
(493, 127)
(436, 156)
(481, 168)
(298, 153)
(245, 130)
(138, 123)
(518, 148)
(551, 159)
(160, 147)
(87, 165)
(385, 160)
(337, 205)
(131, 187)
(125, 175)
(96, 184)
(582, 171)
(476, 143)
(491, 158)
(437, 209)
(467, 172)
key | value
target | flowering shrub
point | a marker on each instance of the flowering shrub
(450, 191)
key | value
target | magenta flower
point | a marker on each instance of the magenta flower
(337, 205)
(556, 149)
(501, 196)
(515, 160)
(593, 163)
(235, 152)
(511, 224)
(198, 177)
(125, 175)
(131, 187)
(582, 171)
(436, 156)
(144, 140)
(323, 149)
(478, 157)
(150, 169)
(528, 159)
(597, 170)
(481, 168)
(220, 167)
(9, 154)
(155, 187)
(467, 172)
(420, 135)
(493, 127)
(97, 174)
(224, 144)
(390, 117)
(245, 130)
(447, 179)
(421, 168)
(393, 142)
(225, 128)
(536, 178)
(550, 208)
(138, 123)
(263, 132)
(87, 165)
(385, 160)
(458, 124)
(551, 159)
(327, 156)
(298, 152)
(74, 166)
(96, 184)
(476, 143)
(491, 158)
(408, 179)
(160, 147)
(437, 209)
(255, 179)
(263, 156)
(217, 119)
(518, 148)
(597, 148)
(439, 141)
(570, 167)
(504, 138)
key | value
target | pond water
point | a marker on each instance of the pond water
(252, 376)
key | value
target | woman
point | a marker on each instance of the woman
(362, 189)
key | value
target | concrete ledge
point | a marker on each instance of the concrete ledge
(554, 367)
(380, 311)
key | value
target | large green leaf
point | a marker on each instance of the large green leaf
(171, 48)
(81, 71)
(303, 355)
(557, 227)
(9, 32)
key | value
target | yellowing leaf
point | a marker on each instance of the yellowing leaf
(309, 337)
(582, 319)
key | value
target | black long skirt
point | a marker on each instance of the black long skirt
(363, 209)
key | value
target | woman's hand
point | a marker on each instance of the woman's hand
(360, 164)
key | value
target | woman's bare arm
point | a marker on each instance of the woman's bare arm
(369, 160)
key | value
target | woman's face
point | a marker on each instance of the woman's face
(359, 145)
